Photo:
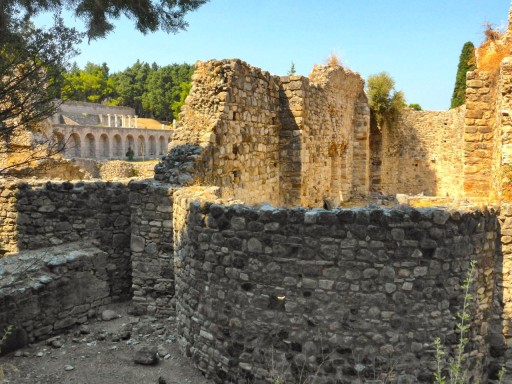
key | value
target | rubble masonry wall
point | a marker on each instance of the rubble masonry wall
(421, 153)
(322, 291)
(41, 215)
(52, 289)
(283, 140)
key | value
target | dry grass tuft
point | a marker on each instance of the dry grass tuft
(493, 50)
(491, 33)
(333, 60)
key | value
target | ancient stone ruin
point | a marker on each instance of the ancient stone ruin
(244, 238)
(93, 131)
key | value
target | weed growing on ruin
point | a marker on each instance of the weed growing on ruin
(501, 374)
(134, 172)
(301, 370)
(6, 332)
(492, 51)
(292, 70)
(333, 60)
(456, 372)
(372, 369)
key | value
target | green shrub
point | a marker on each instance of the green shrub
(416, 107)
(386, 103)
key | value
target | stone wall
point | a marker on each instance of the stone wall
(56, 168)
(478, 134)
(501, 334)
(502, 156)
(325, 145)
(232, 114)
(37, 216)
(8, 217)
(421, 153)
(131, 224)
(320, 291)
(287, 141)
(273, 293)
(45, 291)
(115, 169)
(152, 248)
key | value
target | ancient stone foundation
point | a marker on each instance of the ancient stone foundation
(290, 294)
(234, 240)
(46, 291)
(323, 291)
(37, 216)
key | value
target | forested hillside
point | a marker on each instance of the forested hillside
(153, 91)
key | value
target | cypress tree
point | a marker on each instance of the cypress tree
(466, 63)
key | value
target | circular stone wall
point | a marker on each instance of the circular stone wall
(264, 294)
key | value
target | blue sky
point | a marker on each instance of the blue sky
(417, 41)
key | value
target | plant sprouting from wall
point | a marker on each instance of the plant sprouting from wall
(292, 70)
(333, 60)
(4, 335)
(456, 372)
(386, 103)
(493, 50)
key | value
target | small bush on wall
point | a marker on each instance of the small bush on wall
(386, 103)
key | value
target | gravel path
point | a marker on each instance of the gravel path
(103, 352)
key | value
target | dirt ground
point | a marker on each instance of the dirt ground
(103, 352)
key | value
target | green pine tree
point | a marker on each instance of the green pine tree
(466, 63)
(292, 71)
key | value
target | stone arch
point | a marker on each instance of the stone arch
(74, 145)
(141, 146)
(130, 141)
(117, 147)
(152, 146)
(104, 146)
(58, 143)
(162, 146)
(90, 146)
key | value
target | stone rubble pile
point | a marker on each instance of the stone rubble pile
(179, 166)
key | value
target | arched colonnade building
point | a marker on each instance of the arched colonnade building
(93, 131)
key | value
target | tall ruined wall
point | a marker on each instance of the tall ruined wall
(488, 147)
(502, 156)
(275, 293)
(421, 153)
(8, 217)
(232, 114)
(479, 134)
(261, 138)
(326, 142)
(501, 331)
